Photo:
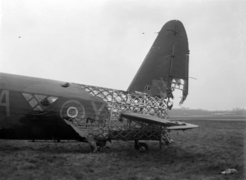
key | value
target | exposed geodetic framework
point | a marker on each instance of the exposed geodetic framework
(118, 101)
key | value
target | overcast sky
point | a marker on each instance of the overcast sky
(102, 43)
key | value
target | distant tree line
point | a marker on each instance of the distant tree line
(200, 112)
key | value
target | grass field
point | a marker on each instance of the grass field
(197, 154)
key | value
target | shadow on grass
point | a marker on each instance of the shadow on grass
(44, 146)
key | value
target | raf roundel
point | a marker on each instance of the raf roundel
(72, 112)
(72, 109)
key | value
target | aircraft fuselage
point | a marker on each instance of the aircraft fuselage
(34, 108)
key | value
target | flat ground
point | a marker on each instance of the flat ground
(200, 153)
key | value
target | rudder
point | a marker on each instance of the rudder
(166, 65)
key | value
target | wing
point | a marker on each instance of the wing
(170, 125)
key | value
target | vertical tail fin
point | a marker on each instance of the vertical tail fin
(166, 65)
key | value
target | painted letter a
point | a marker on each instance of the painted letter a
(4, 101)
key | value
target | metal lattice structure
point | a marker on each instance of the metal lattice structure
(118, 101)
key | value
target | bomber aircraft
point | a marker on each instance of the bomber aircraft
(42, 109)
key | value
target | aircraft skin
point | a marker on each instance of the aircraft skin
(20, 119)
(35, 108)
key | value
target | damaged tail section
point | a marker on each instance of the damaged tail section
(166, 66)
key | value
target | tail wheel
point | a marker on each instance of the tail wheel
(142, 147)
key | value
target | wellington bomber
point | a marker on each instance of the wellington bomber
(42, 109)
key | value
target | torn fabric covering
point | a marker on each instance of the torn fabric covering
(167, 59)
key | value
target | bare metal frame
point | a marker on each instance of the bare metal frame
(118, 101)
